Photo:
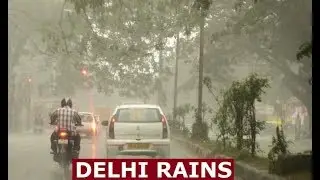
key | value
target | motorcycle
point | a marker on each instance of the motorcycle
(65, 153)
(64, 150)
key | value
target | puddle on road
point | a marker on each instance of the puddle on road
(57, 174)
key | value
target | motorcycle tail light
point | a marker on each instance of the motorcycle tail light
(63, 135)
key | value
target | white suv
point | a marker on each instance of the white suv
(137, 127)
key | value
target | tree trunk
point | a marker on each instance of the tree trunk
(160, 90)
(239, 134)
(200, 86)
(239, 129)
(175, 96)
(253, 130)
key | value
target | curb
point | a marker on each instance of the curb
(242, 170)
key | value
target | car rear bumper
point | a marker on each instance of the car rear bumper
(162, 146)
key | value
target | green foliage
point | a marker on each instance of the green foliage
(267, 29)
(279, 145)
(120, 48)
(305, 50)
(221, 119)
(181, 112)
(178, 126)
(279, 149)
(202, 6)
(235, 117)
(200, 129)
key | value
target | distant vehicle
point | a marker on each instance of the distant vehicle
(137, 127)
(90, 126)
(104, 113)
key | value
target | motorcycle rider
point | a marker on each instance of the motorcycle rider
(65, 117)
(77, 137)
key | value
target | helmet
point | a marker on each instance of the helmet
(63, 102)
(69, 103)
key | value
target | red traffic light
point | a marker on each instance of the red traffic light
(84, 72)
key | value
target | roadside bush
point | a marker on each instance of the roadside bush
(281, 162)
(279, 149)
(181, 113)
(236, 115)
(292, 163)
(200, 129)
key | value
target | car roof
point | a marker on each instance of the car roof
(128, 103)
(138, 106)
(85, 113)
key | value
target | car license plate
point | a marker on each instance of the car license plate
(138, 146)
(63, 141)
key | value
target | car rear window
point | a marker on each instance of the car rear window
(138, 115)
(86, 118)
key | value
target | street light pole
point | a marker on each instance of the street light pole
(54, 74)
(28, 103)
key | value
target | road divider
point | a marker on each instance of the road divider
(243, 170)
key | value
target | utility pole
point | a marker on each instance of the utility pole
(175, 96)
(28, 103)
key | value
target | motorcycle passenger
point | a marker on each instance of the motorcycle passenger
(54, 133)
(65, 117)
(77, 119)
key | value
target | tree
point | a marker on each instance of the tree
(236, 116)
(264, 31)
(131, 37)
(276, 36)
(198, 128)
(21, 25)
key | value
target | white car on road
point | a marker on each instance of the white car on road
(91, 125)
(137, 127)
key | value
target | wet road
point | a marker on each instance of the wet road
(30, 158)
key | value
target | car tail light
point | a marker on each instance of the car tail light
(164, 127)
(93, 126)
(111, 128)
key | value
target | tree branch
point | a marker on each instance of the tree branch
(61, 28)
